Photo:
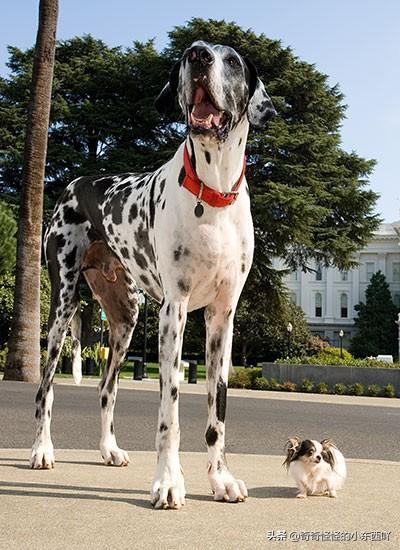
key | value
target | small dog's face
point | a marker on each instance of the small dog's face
(309, 451)
(216, 88)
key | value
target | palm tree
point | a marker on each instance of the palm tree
(23, 360)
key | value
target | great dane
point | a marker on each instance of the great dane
(184, 234)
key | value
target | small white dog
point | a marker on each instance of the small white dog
(317, 467)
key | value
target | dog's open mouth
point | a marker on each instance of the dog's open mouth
(204, 115)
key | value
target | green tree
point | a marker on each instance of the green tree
(310, 199)
(8, 242)
(377, 330)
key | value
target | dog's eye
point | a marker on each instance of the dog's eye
(233, 61)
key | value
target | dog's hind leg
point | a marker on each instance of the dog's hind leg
(219, 324)
(63, 263)
(117, 294)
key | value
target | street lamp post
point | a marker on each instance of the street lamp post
(289, 329)
(341, 334)
(398, 324)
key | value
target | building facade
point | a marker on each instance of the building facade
(328, 296)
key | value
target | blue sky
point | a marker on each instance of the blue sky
(355, 42)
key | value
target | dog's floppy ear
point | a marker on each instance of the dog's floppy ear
(260, 108)
(291, 449)
(165, 102)
(327, 455)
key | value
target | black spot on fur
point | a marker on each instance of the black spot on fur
(211, 436)
(104, 400)
(184, 285)
(60, 241)
(208, 157)
(220, 402)
(125, 252)
(174, 393)
(152, 206)
(182, 175)
(163, 427)
(163, 205)
(210, 399)
(70, 258)
(140, 259)
(243, 268)
(144, 280)
(112, 427)
(72, 217)
(133, 212)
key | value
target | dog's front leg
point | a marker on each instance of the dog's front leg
(219, 323)
(168, 489)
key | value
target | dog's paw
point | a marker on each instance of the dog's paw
(42, 456)
(168, 491)
(114, 456)
(332, 494)
(301, 495)
(225, 487)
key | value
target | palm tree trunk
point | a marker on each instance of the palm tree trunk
(23, 361)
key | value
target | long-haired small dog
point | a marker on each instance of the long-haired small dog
(317, 467)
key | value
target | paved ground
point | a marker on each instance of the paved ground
(85, 505)
(257, 422)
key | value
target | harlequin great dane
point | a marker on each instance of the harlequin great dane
(184, 234)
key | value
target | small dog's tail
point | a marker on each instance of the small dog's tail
(76, 328)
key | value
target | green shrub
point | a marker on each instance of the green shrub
(261, 383)
(340, 389)
(322, 387)
(241, 379)
(254, 374)
(288, 386)
(389, 391)
(307, 385)
(274, 385)
(3, 357)
(374, 390)
(356, 389)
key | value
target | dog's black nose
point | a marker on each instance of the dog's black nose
(318, 458)
(200, 54)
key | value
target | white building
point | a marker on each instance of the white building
(328, 296)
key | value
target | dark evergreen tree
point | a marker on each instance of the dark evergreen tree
(310, 199)
(377, 330)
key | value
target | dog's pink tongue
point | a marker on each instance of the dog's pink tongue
(204, 111)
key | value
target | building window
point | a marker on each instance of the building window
(318, 273)
(293, 298)
(344, 275)
(370, 268)
(343, 306)
(396, 272)
(293, 276)
(396, 300)
(318, 304)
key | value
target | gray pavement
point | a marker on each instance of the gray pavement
(85, 505)
(257, 422)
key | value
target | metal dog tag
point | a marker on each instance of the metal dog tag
(199, 210)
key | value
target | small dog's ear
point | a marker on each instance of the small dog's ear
(165, 102)
(327, 455)
(291, 449)
(260, 108)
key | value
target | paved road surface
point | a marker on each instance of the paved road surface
(255, 426)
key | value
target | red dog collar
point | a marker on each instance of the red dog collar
(204, 193)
